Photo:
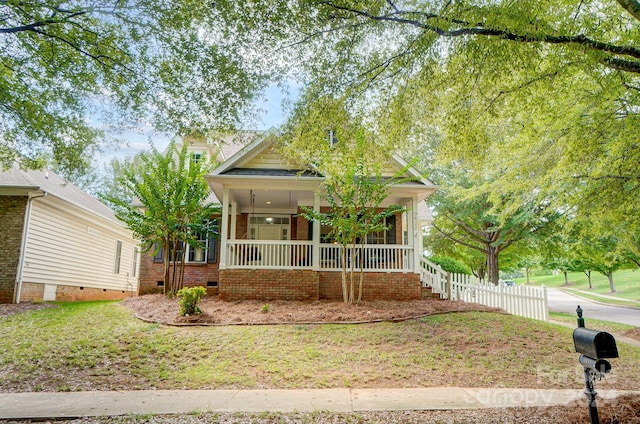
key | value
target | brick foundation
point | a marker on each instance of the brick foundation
(12, 210)
(375, 286)
(34, 292)
(268, 284)
(304, 285)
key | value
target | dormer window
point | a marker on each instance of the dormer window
(332, 138)
(197, 157)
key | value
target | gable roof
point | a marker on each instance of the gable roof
(265, 141)
(240, 163)
(17, 181)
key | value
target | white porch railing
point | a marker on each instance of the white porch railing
(372, 258)
(269, 254)
(435, 277)
(298, 254)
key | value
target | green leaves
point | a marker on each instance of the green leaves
(168, 205)
(70, 73)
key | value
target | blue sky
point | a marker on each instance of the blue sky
(272, 114)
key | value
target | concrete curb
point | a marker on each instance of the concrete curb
(47, 405)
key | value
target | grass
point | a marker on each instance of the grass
(100, 346)
(611, 327)
(626, 282)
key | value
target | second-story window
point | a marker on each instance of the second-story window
(197, 157)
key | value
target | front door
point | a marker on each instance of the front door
(272, 232)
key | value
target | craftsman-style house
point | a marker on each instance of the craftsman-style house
(266, 250)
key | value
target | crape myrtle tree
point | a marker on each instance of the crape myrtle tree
(71, 71)
(561, 78)
(325, 135)
(169, 208)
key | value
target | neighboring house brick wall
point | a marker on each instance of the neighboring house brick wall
(34, 292)
(376, 286)
(268, 284)
(31, 292)
(12, 210)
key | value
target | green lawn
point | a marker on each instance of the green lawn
(100, 346)
(627, 284)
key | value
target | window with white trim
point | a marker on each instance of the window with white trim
(116, 267)
(134, 268)
(197, 253)
(207, 252)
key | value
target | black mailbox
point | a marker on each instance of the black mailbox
(594, 344)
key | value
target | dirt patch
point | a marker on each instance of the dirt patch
(161, 309)
(16, 308)
(634, 333)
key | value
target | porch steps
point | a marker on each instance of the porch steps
(427, 293)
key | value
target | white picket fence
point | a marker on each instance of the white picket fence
(524, 301)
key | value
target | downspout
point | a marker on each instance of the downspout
(23, 244)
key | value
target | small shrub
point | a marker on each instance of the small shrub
(450, 265)
(189, 298)
(265, 308)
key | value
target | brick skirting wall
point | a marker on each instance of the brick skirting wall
(34, 292)
(375, 286)
(268, 284)
(12, 209)
(305, 285)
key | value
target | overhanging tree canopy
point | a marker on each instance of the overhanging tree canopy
(558, 81)
(70, 69)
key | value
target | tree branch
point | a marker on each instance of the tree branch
(466, 29)
(455, 240)
(631, 6)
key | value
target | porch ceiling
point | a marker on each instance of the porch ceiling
(285, 194)
(270, 200)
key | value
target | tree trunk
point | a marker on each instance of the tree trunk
(172, 288)
(492, 265)
(527, 272)
(166, 257)
(352, 268)
(610, 277)
(566, 278)
(181, 273)
(345, 289)
(361, 272)
(588, 274)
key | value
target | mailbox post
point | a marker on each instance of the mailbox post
(593, 346)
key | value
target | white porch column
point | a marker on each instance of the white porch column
(224, 230)
(234, 217)
(414, 234)
(316, 234)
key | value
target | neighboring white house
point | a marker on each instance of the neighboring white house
(60, 242)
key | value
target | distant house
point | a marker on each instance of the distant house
(267, 250)
(60, 243)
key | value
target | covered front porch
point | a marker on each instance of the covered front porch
(268, 250)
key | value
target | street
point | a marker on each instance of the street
(560, 301)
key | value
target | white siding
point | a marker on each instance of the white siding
(268, 159)
(68, 246)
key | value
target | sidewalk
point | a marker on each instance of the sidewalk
(43, 405)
